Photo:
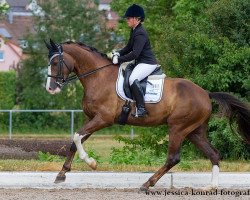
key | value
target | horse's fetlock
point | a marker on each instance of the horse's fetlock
(152, 182)
(66, 168)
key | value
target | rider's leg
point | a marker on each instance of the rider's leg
(139, 98)
(140, 72)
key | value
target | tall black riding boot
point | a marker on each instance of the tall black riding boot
(139, 98)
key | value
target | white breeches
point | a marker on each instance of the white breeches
(141, 71)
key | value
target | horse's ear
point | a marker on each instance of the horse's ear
(53, 45)
(47, 45)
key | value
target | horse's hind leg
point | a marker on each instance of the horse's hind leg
(198, 138)
(175, 141)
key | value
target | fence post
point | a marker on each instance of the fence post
(10, 124)
(132, 133)
(72, 123)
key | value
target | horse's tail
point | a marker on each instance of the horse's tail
(235, 110)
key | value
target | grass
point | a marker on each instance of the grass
(102, 145)
(193, 166)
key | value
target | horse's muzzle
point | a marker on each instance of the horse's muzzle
(56, 91)
(52, 86)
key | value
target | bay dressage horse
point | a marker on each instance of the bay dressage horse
(185, 107)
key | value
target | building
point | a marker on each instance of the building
(13, 29)
(19, 23)
(10, 55)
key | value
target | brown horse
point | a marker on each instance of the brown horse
(184, 107)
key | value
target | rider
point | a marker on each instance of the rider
(138, 48)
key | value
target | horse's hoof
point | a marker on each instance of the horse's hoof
(60, 179)
(92, 164)
(144, 189)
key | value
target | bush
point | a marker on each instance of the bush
(229, 144)
(7, 89)
(135, 155)
(149, 147)
(7, 95)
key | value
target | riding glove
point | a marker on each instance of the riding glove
(115, 57)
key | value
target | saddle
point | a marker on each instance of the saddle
(152, 88)
(126, 72)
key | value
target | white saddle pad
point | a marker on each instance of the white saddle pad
(154, 88)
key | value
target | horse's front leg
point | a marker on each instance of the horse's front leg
(78, 140)
(82, 135)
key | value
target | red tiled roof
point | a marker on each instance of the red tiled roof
(19, 3)
(105, 1)
(21, 26)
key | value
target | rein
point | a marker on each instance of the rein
(75, 77)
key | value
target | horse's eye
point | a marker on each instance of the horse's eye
(54, 62)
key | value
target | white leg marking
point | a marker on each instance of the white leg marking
(82, 153)
(215, 176)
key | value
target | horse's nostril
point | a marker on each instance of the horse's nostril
(50, 88)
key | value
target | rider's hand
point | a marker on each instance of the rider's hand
(114, 52)
(115, 59)
(115, 56)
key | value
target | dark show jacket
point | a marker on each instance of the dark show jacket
(138, 48)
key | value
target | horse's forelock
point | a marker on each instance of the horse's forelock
(51, 53)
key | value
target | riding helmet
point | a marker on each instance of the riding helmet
(135, 11)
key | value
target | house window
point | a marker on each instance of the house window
(1, 56)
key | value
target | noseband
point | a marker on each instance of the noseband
(60, 80)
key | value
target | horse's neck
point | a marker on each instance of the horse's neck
(88, 61)
(100, 84)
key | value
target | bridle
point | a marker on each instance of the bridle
(60, 80)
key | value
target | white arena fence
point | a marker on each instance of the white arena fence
(33, 111)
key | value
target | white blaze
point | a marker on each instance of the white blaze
(48, 78)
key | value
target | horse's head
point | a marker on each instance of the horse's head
(60, 66)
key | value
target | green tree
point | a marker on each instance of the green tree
(77, 20)
(3, 8)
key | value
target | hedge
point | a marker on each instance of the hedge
(7, 89)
